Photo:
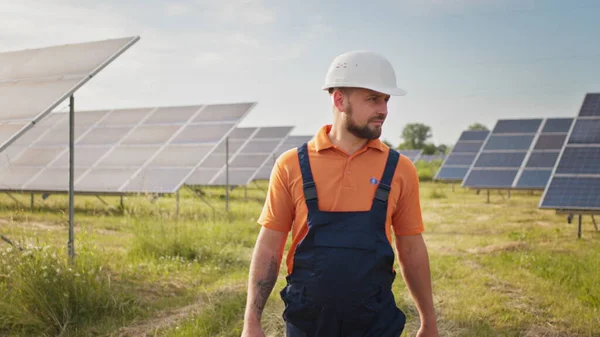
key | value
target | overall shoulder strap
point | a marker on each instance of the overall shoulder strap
(308, 183)
(383, 190)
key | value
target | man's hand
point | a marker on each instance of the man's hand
(253, 330)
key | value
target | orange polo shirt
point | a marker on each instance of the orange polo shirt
(343, 184)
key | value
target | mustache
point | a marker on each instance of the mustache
(377, 119)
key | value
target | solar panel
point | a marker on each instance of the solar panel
(542, 158)
(141, 150)
(253, 149)
(590, 106)
(518, 153)
(457, 163)
(413, 155)
(35, 81)
(290, 142)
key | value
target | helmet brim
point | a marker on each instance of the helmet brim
(387, 91)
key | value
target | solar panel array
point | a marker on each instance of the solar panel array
(575, 181)
(503, 154)
(142, 150)
(413, 155)
(249, 150)
(291, 142)
(534, 175)
(457, 163)
(35, 81)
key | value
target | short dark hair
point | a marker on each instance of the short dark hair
(344, 90)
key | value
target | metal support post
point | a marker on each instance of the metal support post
(71, 243)
(227, 174)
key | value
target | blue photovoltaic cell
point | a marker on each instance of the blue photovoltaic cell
(572, 193)
(497, 142)
(550, 142)
(586, 132)
(460, 159)
(557, 125)
(590, 106)
(500, 160)
(467, 147)
(542, 159)
(579, 160)
(452, 173)
(517, 126)
(534, 178)
(473, 135)
(490, 178)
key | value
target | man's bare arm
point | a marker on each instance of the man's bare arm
(264, 269)
(414, 261)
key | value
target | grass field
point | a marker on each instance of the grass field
(500, 269)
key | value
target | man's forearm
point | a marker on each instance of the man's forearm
(414, 261)
(264, 269)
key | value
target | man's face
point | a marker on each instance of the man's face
(365, 112)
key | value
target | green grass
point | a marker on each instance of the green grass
(503, 268)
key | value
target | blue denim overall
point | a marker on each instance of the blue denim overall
(340, 285)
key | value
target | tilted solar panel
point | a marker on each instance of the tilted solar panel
(254, 148)
(35, 81)
(457, 163)
(141, 150)
(575, 180)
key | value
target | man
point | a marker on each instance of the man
(342, 195)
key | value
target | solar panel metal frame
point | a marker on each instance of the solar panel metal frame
(445, 162)
(524, 161)
(122, 190)
(32, 121)
(213, 181)
(567, 144)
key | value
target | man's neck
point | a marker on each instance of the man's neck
(344, 140)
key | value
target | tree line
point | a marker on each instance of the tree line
(416, 136)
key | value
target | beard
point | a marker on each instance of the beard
(362, 131)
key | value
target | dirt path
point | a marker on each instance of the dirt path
(171, 317)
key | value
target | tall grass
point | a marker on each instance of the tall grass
(42, 293)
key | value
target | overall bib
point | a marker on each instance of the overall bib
(340, 285)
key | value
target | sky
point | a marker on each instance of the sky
(461, 61)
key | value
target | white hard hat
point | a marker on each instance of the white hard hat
(363, 69)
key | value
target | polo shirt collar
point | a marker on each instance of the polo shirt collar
(322, 141)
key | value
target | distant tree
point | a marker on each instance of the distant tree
(442, 149)
(477, 127)
(415, 135)
(429, 149)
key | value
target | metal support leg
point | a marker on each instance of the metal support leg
(595, 223)
(71, 243)
(509, 194)
(227, 174)
(122, 204)
(32, 202)
(199, 195)
(579, 228)
(14, 199)
(488, 196)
